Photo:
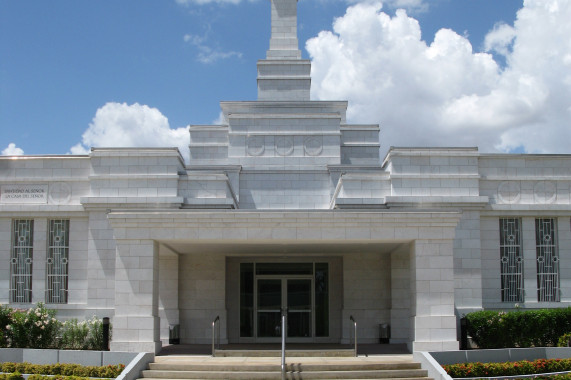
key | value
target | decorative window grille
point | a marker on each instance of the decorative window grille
(57, 261)
(511, 260)
(547, 260)
(21, 261)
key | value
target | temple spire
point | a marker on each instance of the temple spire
(283, 75)
(283, 41)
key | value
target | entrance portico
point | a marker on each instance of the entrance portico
(391, 267)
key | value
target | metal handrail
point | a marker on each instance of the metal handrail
(355, 334)
(214, 323)
(283, 343)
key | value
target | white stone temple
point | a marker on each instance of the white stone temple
(285, 206)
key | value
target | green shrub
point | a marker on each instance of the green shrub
(14, 376)
(35, 327)
(532, 328)
(63, 369)
(564, 340)
(95, 336)
(8, 367)
(74, 335)
(523, 367)
(38, 328)
(5, 321)
(57, 377)
(82, 335)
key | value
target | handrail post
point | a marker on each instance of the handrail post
(283, 343)
(355, 333)
(218, 340)
(216, 320)
(213, 351)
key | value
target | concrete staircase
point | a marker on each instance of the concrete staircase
(250, 368)
(296, 353)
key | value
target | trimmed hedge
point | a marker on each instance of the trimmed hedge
(18, 376)
(523, 367)
(564, 340)
(531, 328)
(57, 377)
(63, 369)
(11, 376)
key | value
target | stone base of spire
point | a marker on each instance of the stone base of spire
(283, 54)
(284, 79)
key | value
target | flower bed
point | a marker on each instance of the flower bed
(18, 376)
(108, 371)
(523, 367)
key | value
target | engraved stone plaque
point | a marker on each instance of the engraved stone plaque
(24, 194)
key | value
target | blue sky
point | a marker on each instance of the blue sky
(63, 61)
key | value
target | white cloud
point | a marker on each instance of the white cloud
(445, 93)
(12, 150)
(500, 39)
(123, 125)
(207, 54)
(220, 120)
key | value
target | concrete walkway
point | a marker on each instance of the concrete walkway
(363, 349)
(174, 359)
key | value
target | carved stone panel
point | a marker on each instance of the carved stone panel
(509, 192)
(544, 192)
(313, 145)
(255, 145)
(60, 193)
(284, 145)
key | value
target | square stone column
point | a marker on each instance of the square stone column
(136, 321)
(101, 256)
(433, 323)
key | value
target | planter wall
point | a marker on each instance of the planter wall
(134, 362)
(40, 356)
(432, 361)
(501, 355)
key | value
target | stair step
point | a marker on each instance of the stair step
(297, 368)
(290, 353)
(299, 377)
(291, 367)
(354, 374)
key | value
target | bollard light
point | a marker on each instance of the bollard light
(105, 343)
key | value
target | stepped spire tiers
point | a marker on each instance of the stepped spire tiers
(283, 75)
(283, 129)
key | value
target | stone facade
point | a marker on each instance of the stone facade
(414, 240)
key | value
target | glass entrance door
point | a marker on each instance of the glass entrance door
(299, 308)
(292, 294)
(269, 307)
(266, 288)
